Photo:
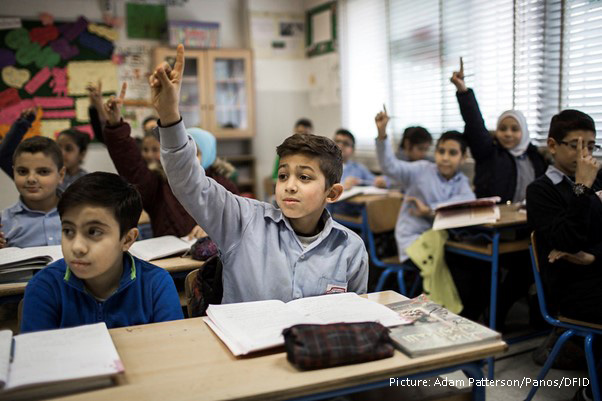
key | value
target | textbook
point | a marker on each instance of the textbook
(253, 326)
(160, 247)
(466, 213)
(19, 264)
(361, 190)
(435, 329)
(49, 363)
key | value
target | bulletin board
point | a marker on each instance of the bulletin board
(48, 67)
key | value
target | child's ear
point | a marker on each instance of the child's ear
(62, 172)
(129, 238)
(334, 193)
(552, 144)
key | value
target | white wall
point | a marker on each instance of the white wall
(226, 12)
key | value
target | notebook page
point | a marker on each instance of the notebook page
(12, 254)
(159, 247)
(254, 325)
(64, 354)
(345, 308)
(54, 251)
(6, 337)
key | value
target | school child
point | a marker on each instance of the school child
(506, 162)
(302, 126)
(13, 138)
(268, 253)
(38, 171)
(74, 145)
(564, 208)
(98, 280)
(167, 215)
(427, 184)
(354, 173)
(415, 144)
(215, 167)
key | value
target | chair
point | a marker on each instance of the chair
(574, 327)
(380, 216)
(189, 290)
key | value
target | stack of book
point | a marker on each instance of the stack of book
(19, 264)
(466, 213)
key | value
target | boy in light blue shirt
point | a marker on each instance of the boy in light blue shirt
(34, 220)
(268, 253)
(427, 184)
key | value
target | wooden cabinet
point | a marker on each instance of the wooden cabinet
(217, 90)
(217, 95)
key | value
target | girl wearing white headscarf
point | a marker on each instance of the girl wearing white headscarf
(506, 162)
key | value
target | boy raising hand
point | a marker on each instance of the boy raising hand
(290, 252)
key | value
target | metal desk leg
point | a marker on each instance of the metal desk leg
(495, 256)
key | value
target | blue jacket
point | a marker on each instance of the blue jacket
(56, 298)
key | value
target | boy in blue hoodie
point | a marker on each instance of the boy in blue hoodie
(98, 280)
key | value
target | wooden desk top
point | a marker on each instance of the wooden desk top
(198, 366)
(172, 265)
(509, 216)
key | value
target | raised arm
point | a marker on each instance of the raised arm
(478, 137)
(95, 110)
(224, 216)
(398, 170)
(13, 138)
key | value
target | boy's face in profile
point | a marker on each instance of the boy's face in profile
(301, 191)
(346, 145)
(565, 151)
(448, 157)
(36, 177)
(417, 151)
(91, 244)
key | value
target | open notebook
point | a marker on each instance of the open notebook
(362, 190)
(19, 264)
(160, 247)
(466, 213)
(53, 362)
(253, 326)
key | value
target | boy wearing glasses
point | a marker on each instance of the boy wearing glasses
(565, 210)
(354, 173)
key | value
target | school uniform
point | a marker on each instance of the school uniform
(423, 181)
(56, 298)
(24, 227)
(569, 223)
(262, 256)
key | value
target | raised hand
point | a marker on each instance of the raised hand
(28, 114)
(112, 108)
(587, 166)
(457, 78)
(381, 120)
(95, 94)
(165, 85)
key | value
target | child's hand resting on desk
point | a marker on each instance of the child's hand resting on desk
(381, 120)
(197, 232)
(457, 78)
(112, 108)
(380, 181)
(418, 208)
(579, 258)
(165, 84)
(587, 166)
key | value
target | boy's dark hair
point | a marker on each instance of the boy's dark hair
(41, 144)
(147, 119)
(105, 190)
(570, 120)
(328, 153)
(81, 139)
(306, 122)
(348, 134)
(415, 136)
(453, 136)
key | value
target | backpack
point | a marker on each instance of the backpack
(207, 288)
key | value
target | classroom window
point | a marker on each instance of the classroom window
(537, 56)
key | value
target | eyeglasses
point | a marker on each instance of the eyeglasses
(590, 146)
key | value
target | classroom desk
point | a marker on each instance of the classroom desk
(197, 366)
(357, 222)
(176, 266)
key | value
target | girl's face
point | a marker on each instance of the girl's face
(151, 150)
(508, 133)
(72, 157)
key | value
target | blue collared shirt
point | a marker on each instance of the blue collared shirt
(423, 181)
(262, 256)
(359, 171)
(23, 227)
(556, 176)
